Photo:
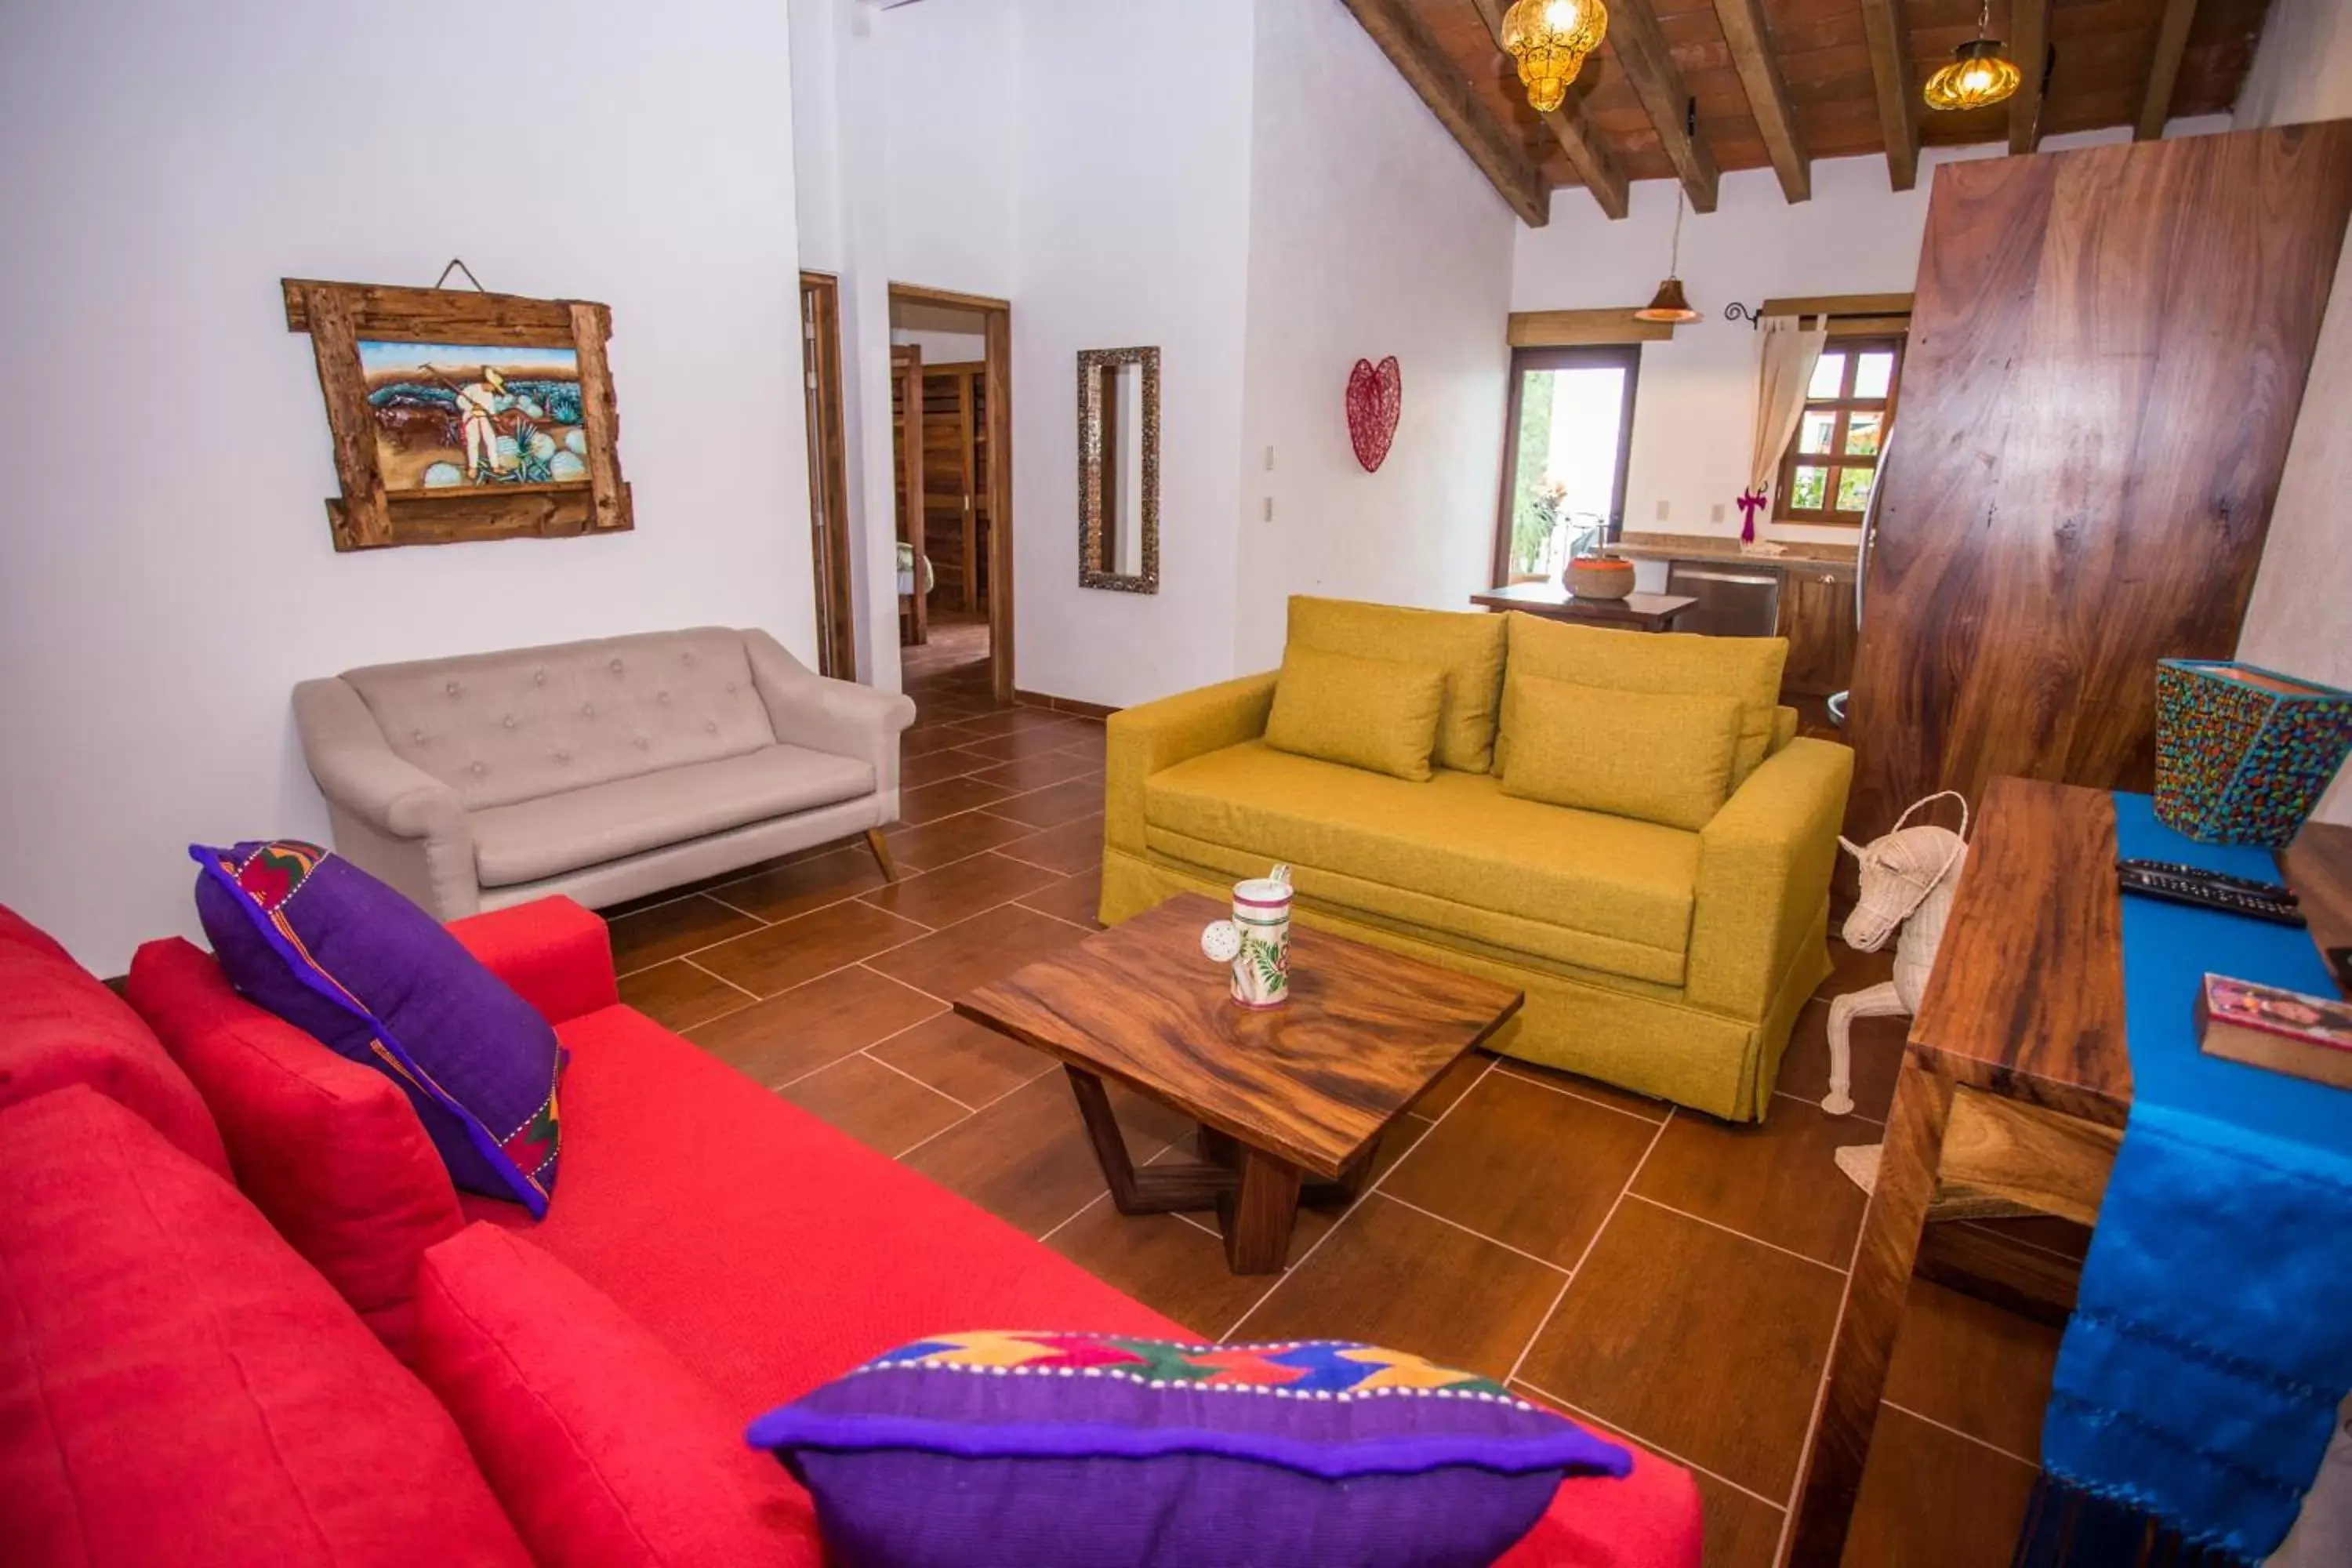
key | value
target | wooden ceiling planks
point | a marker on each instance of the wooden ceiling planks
(2109, 54)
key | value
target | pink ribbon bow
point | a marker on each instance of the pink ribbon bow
(1750, 503)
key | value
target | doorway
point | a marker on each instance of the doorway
(836, 644)
(1569, 437)
(951, 433)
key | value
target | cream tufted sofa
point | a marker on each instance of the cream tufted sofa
(604, 770)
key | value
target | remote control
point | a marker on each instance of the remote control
(2205, 895)
(2276, 893)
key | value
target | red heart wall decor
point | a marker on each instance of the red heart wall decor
(1375, 399)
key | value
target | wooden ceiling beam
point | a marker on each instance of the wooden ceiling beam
(1767, 94)
(1439, 79)
(2164, 68)
(2030, 21)
(1889, 41)
(1587, 150)
(1640, 49)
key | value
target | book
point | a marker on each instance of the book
(2284, 1031)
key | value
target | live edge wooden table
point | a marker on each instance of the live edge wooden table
(1291, 1100)
(2014, 1089)
(1634, 612)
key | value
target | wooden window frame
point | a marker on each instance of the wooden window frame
(1844, 406)
(1576, 357)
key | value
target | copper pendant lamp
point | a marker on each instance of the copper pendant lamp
(1669, 304)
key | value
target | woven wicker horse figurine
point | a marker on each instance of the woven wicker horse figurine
(1908, 878)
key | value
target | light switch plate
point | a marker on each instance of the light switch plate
(1662, 511)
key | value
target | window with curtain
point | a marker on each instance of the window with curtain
(1826, 476)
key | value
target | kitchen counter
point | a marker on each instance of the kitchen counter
(1823, 560)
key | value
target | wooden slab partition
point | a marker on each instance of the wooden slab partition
(2107, 351)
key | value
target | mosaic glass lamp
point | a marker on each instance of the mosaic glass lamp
(1550, 40)
(1979, 74)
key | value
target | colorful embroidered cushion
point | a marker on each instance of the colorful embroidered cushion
(331, 950)
(1038, 1449)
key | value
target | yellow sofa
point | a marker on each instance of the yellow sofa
(1669, 962)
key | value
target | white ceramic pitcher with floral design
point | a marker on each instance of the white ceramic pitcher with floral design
(1255, 944)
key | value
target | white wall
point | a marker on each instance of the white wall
(2302, 66)
(1694, 410)
(2300, 619)
(949, 135)
(165, 570)
(942, 348)
(1132, 227)
(1370, 234)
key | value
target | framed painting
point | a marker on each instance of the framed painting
(459, 414)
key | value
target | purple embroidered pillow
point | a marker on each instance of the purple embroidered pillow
(1034, 1451)
(338, 954)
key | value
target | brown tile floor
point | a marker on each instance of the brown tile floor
(1656, 1272)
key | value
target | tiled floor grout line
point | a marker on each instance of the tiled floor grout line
(894, 980)
(1510, 1072)
(1849, 1116)
(976, 1110)
(784, 1084)
(1955, 1431)
(1479, 1235)
(1585, 1256)
(744, 990)
(1662, 1452)
(868, 1052)
(1354, 1208)
(1718, 1225)
(1814, 1418)
(1072, 1216)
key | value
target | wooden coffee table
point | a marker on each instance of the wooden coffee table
(1303, 1091)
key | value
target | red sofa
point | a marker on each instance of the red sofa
(712, 1225)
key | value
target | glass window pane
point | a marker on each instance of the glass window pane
(1862, 435)
(1811, 485)
(1813, 434)
(1829, 376)
(1853, 489)
(1569, 428)
(1874, 374)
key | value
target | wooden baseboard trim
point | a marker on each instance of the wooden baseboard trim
(1063, 705)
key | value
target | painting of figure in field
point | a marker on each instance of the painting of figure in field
(454, 416)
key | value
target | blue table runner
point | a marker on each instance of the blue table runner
(2211, 1339)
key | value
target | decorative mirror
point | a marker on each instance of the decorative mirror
(1119, 469)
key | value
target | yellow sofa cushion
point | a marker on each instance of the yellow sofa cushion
(1454, 855)
(1668, 664)
(1466, 648)
(1363, 712)
(1629, 753)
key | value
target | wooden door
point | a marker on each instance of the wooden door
(951, 480)
(828, 495)
(906, 448)
(1817, 617)
(2107, 351)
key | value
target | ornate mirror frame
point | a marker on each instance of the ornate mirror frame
(1092, 552)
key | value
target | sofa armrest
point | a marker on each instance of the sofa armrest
(842, 717)
(357, 769)
(1764, 865)
(1141, 741)
(557, 955)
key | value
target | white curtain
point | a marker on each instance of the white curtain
(1790, 349)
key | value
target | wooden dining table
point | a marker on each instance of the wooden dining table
(1634, 612)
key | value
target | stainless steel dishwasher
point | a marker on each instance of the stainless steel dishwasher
(1733, 602)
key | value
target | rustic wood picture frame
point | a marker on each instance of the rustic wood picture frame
(367, 515)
